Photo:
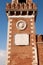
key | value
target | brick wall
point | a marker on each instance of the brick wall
(40, 53)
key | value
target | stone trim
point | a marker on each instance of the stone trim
(9, 40)
(26, 16)
(34, 52)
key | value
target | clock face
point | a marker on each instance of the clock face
(21, 25)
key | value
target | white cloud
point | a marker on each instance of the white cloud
(2, 57)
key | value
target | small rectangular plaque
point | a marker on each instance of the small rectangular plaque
(21, 39)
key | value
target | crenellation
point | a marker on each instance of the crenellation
(21, 7)
(39, 38)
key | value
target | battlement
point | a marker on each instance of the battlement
(39, 38)
(21, 1)
(23, 8)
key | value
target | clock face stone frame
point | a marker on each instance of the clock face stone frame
(21, 25)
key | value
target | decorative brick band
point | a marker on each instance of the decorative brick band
(9, 40)
(34, 50)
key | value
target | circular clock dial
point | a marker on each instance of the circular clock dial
(21, 25)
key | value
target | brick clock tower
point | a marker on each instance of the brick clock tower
(21, 38)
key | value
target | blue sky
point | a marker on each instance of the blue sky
(4, 22)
